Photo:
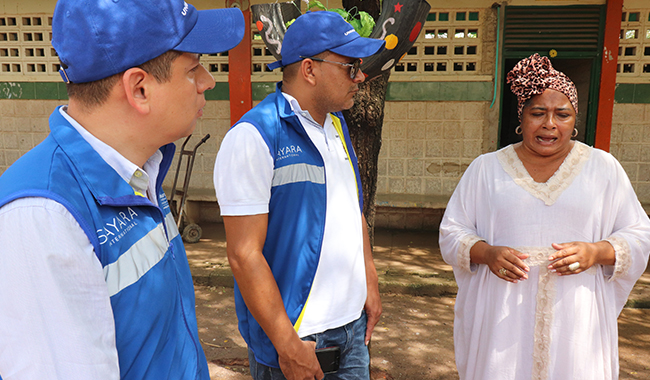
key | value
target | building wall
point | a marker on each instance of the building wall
(428, 145)
(630, 144)
(436, 121)
(630, 140)
(216, 122)
(23, 124)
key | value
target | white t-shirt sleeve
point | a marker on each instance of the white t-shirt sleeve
(243, 156)
(56, 320)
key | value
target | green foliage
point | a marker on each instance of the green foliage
(366, 23)
(317, 4)
(362, 22)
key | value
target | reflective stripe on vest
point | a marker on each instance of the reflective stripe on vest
(142, 256)
(298, 173)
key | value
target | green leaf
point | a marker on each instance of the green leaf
(317, 4)
(367, 24)
(364, 24)
(356, 24)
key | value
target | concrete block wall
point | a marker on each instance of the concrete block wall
(216, 122)
(409, 218)
(630, 144)
(23, 124)
(435, 125)
(428, 145)
(426, 148)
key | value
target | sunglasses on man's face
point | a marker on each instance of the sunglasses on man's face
(355, 66)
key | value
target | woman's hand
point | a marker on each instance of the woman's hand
(578, 256)
(505, 262)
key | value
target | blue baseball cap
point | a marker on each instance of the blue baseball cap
(315, 32)
(99, 38)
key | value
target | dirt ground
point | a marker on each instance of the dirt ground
(413, 340)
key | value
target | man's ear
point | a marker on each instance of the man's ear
(135, 83)
(307, 70)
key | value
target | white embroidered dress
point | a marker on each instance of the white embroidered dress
(545, 327)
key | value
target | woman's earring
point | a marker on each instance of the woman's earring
(519, 131)
(575, 132)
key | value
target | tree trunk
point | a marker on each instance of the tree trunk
(365, 121)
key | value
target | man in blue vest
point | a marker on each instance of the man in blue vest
(94, 277)
(289, 190)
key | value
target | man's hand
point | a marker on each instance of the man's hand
(373, 311)
(245, 236)
(300, 362)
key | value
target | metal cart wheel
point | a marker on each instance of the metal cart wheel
(192, 233)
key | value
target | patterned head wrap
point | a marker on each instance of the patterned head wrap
(532, 75)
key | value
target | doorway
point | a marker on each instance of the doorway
(573, 37)
(578, 70)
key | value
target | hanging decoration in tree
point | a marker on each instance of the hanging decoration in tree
(270, 22)
(399, 24)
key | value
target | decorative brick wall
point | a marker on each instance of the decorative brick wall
(428, 145)
(216, 122)
(23, 124)
(634, 49)
(630, 144)
(437, 121)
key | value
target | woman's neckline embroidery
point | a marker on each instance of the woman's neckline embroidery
(550, 190)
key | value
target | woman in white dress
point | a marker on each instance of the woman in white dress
(546, 238)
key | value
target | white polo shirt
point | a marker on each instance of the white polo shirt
(243, 176)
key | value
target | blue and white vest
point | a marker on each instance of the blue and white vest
(296, 220)
(137, 243)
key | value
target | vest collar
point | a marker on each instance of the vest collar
(102, 180)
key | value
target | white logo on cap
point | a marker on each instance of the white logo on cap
(185, 9)
(349, 31)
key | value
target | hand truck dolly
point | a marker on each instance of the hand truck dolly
(190, 232)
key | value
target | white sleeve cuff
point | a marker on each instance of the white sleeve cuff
(623, 258)
(464, 260)
(239, 210)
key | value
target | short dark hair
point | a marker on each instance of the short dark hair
(92, 94)
(290, 71)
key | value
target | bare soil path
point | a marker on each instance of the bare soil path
(414, 338)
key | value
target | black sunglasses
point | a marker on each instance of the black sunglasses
(354, 66)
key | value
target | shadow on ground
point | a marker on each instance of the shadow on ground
(414, 338)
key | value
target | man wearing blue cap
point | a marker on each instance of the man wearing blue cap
(289, 190)
(94, 277)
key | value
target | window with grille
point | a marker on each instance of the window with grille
(634, 45)
(450, 44)
(260, 58)
(217, 65)
(26, 52)
(25, 48)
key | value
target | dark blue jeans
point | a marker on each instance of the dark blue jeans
(355, 359)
